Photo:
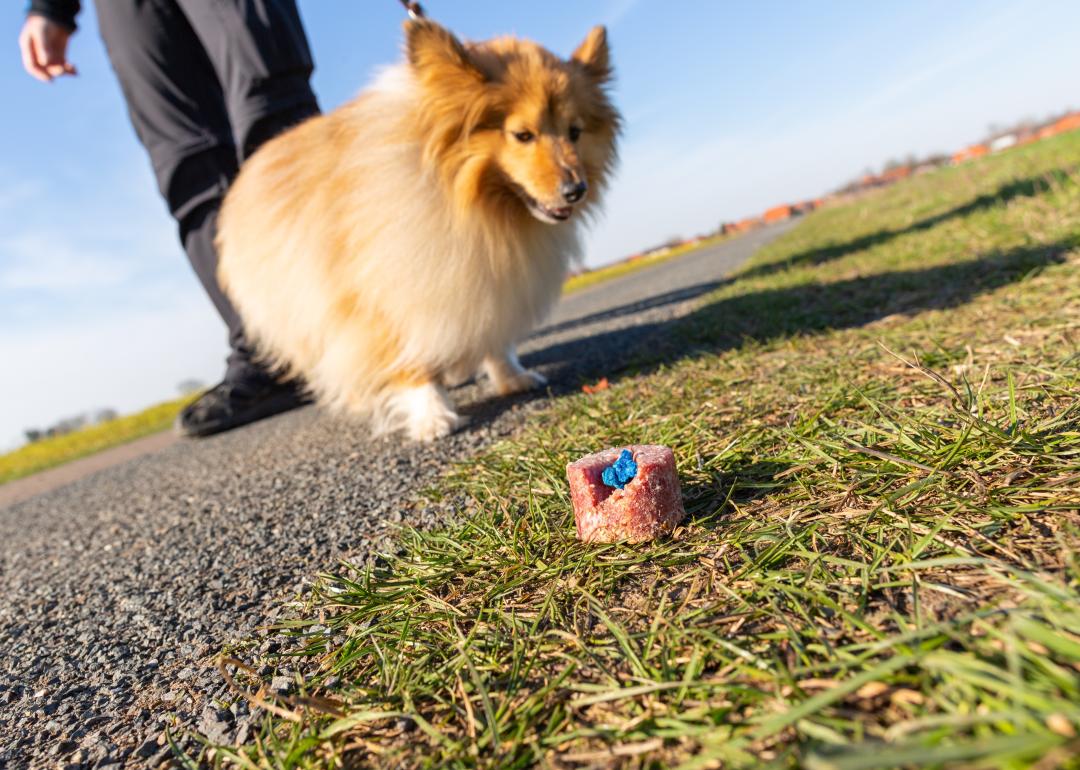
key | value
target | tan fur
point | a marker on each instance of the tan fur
(388, 246)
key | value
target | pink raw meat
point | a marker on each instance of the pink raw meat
(648, 506)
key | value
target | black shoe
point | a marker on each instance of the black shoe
(232, 404)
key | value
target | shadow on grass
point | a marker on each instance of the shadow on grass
(765, 315)
(674, 297)
(741, 483)
(1018, 188)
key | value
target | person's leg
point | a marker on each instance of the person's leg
(197, 232)
(178, 109)
(260, 53)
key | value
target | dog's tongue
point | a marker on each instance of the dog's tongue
(562, 213)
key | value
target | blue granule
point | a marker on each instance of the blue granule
(621, 471)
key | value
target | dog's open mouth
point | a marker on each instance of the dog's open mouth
(548, 214)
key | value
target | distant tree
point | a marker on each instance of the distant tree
(935, 159)
(189, 385)
(106, 414)
(673, 241)
(33, 434)
(67, 425)
(907, 161)
(851, 187)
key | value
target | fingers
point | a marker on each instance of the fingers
(43, 45)
(31, 61)
(63, 68)
(54, 48)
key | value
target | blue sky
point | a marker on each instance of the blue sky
(730, 107)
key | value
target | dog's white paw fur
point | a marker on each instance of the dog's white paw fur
(519, 383)
(508, 376)
(424, 412)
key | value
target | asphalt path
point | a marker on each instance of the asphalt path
(120, 587)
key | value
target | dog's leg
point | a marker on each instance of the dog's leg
(456, 376)
(424, 410)
(508, 376)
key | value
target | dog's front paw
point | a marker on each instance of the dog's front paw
(429, 427)
(520, 382)
(423, 412)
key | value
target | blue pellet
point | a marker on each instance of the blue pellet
(619, 473)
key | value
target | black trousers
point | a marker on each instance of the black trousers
(206, 82)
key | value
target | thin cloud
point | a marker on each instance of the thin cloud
(933, 63)
(123, 362)
(115, 245)
(16, 193)
(617, 10)
(52, 264)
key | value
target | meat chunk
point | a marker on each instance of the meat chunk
(648, 504)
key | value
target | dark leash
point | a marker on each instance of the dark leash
(413, 9)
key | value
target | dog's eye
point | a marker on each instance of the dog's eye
(524, 136)
(575, 133)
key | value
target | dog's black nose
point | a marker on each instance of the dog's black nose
(572, 192)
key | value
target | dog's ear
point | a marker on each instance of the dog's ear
(435, 53)
(594, 55)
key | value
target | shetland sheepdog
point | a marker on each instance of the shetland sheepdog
(410, 238)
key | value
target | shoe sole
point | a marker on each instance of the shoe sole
(269, 408)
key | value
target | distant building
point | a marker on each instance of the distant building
(1003, 142)
(970, 153)
(777, 214)
(894, 174)
(1069, 122)
(742, 226)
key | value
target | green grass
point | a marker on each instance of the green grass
(50, 452)
(619, 269)
(878, 434)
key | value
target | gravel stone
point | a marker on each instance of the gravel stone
(281, 684)
(120, 588)
(148, 748)
(63, 747)
(215, 724)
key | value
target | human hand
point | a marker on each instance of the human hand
(43, 45)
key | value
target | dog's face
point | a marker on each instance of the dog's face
(510, 122)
